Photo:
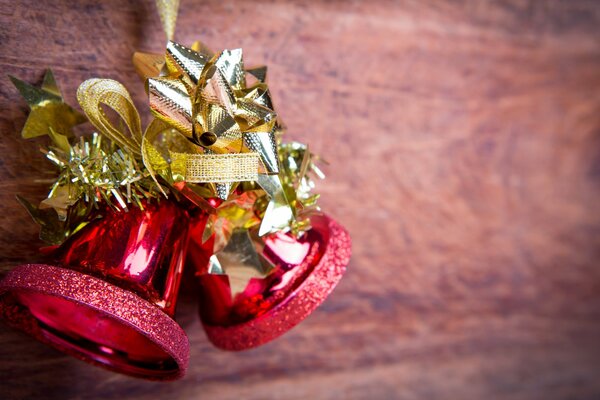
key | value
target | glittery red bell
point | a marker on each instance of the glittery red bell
(305, 271)
(112, 299)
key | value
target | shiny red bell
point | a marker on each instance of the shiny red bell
(110, 300)
(305, 272)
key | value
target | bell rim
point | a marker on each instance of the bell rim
(118, 304)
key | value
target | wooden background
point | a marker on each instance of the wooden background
(464, 142)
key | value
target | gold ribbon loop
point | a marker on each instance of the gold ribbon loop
(93, 94)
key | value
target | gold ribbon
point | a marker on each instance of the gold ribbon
(93, 94)
(215, 168)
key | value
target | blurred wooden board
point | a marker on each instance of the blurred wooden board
(464, 147)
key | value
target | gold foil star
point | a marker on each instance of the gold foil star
(48, 110)
(240, 261)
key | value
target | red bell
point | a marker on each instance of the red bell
(305, 272)
(112, 299)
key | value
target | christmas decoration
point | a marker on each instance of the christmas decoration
(209, 184)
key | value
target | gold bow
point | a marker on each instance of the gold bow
(231, 123)
(207, 99)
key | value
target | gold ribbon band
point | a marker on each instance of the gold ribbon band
(216, 168)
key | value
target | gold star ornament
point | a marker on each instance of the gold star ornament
(49, 113)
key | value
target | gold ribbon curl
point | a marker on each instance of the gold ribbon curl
(95, 93)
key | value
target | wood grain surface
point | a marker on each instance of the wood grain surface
(464, 147)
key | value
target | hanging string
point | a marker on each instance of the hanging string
(167, 10)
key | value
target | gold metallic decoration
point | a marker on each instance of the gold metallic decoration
(147, 64)
(297, 177)
(264, 144)
(92, 171)
(167, 10)
(279, 214)
(206, 98)
(236, 213)
(234, 247)
(185, 62)
(94, 94)
(223, 189)
(215, 133)
(54, 229)
(240, 261)
(222, 168)
(95, 170)
(233, 250)
(48, 110)
(169, 101)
